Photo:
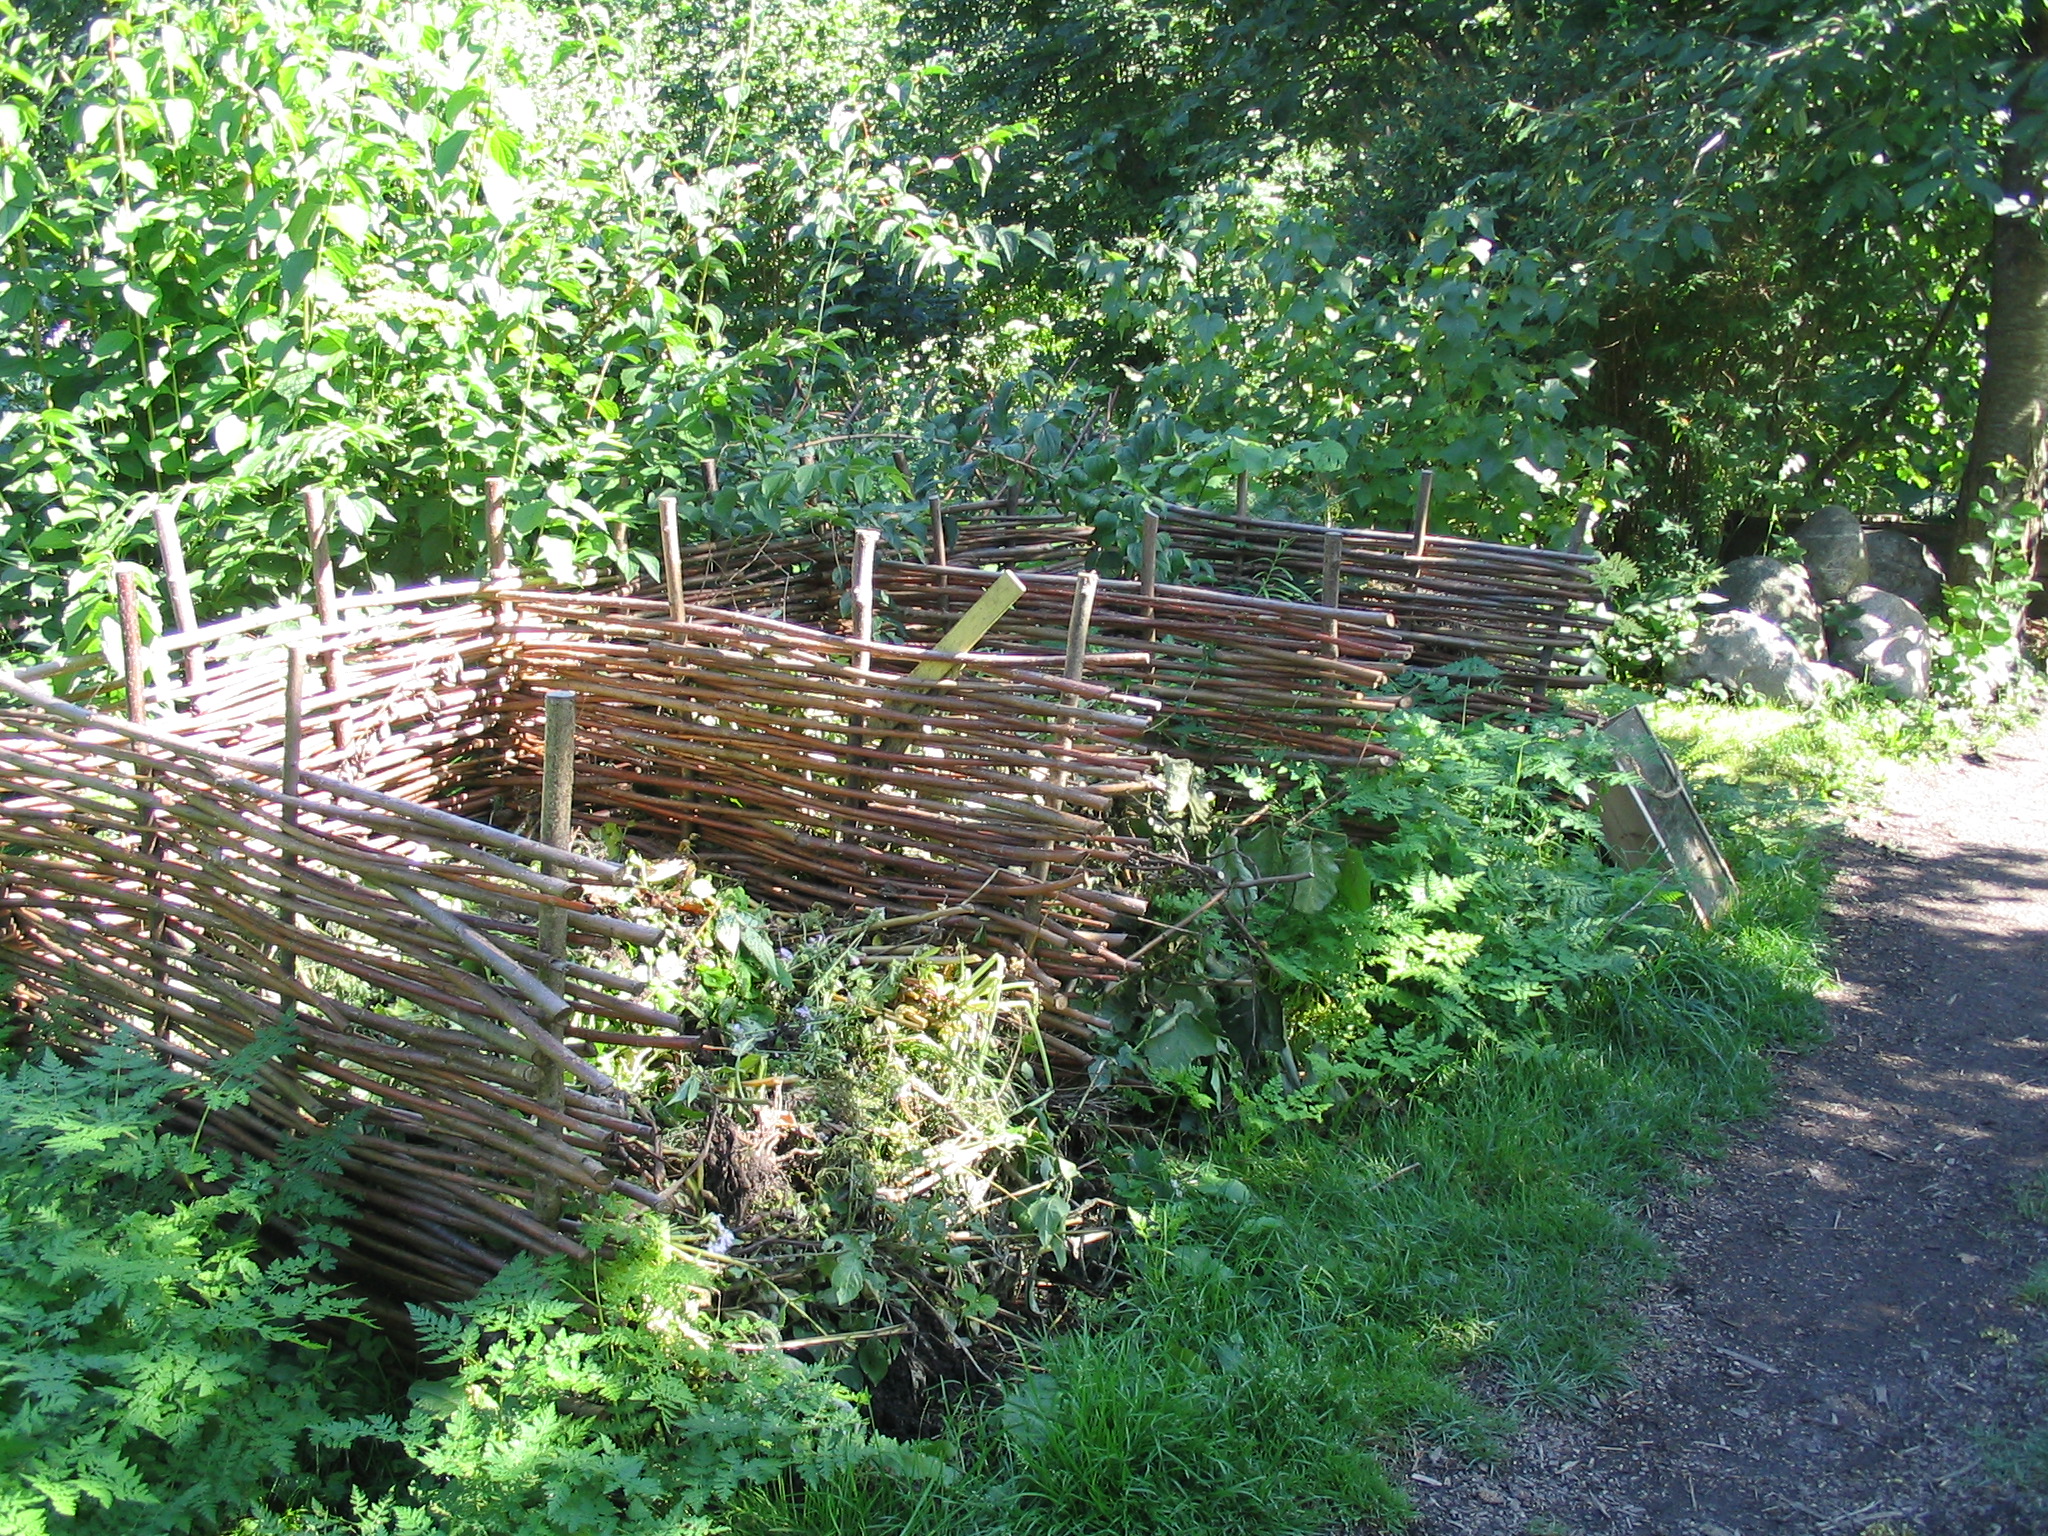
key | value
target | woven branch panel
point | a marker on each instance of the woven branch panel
(345, 957)
(1231, 672)
(1530, 613)
(350, 958)
(980, 799)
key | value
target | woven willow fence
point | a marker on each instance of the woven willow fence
(339, 856)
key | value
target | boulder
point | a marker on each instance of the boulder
(1901, 563)
(1884, 640)
(1778, 592)
(1746, 650)
(1836, 558)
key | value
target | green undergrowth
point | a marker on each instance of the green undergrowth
(1309, 1305)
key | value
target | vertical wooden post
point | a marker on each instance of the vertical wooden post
(323, 599)
(940, 555)
(903, 468)
(1582, 532)
(1244, 510)
(134, 682)
(1424, 483)
(710, 468)
(1079, 619)
(1148, 560)
(288, 783)
(1333, 583)
(863, 588)
(672, 557)
(497, 548)
(133, 678)
(1148, 576)
(317, 541)
(557, 793)
(178, 583)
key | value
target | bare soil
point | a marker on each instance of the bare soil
(1840, 1330)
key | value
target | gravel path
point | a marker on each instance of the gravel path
(1840, 1327)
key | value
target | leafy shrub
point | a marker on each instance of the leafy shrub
(1977, 651)
(1288, 355)
(396, 247)
(1398, 917)
(161, 1376)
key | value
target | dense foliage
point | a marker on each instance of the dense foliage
(158, 1371)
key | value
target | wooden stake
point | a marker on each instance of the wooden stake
(557, 795)
(1582, 533)
(672, 557)
(497, 549)
(172, 550)
(323, 595)
(710, 468)
(1148, 566)
(1244, 507)
(315, 498)
(864, 542)
(1424, 483)
(1333, 583)
(1079, 618)
(288, 782)
(939, 556)
(903, 469)
(131, 640)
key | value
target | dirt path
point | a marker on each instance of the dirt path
(1840, 1325)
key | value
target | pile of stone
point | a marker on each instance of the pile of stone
(1854, 610)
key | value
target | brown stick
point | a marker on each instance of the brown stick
(178, 583)
(132, 674)
(497, 548)
(1424, 483)
(672, 557)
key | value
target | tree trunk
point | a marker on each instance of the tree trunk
(2009, 445)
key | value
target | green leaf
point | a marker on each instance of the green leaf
(352, 220)
(1317, 859)
(848, 1277)
(448, 153)
(139, 297)
(230, 432)
(178, 114)
(93, 118)
(1326, 456)
(1354, 884)
(504, 196)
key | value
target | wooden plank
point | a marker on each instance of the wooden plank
(974, 624)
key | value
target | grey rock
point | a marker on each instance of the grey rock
(1780, 593)
(1746, 650)
(1884, 640)
(1901, 563)
(1836, 558)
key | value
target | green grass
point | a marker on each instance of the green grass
(1304, 1308)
